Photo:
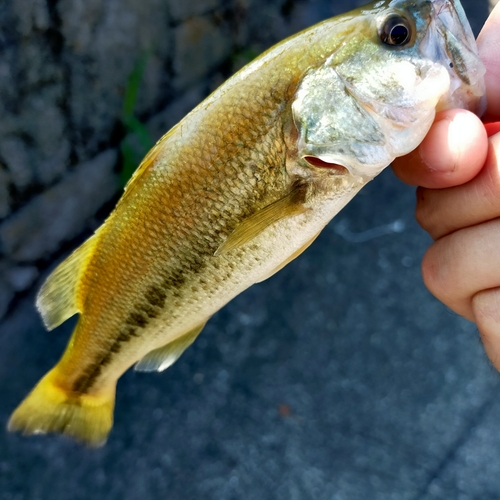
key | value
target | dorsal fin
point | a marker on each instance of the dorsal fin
(163, 357)
(59, 297)
(147, 162)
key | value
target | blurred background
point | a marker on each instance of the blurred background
(340, 378)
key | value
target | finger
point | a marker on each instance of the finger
(459, 265)
(442, 211)
(488, 43)
(486, 310)
(452, 153)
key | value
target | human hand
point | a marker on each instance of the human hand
(458, 203)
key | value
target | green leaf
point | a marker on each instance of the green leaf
(131, 155)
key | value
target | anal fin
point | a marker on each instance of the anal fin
(162, 358)
(289, 205)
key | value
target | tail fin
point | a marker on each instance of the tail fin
(48, 408)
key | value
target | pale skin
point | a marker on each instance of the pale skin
(457, 169)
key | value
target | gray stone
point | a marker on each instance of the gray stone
(261, 24)
(31, 16)
(6, 296)
(35, 65)
(104, 41)
(200, 46)
(7, 292)
(8, 84)
(14, 279)
(182, 10)
(50, 169)
(44, 122)
(21, 278)
(163, 121)
(14, 153)
(61, 212)
(4, 192)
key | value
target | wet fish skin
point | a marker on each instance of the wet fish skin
(227, 197)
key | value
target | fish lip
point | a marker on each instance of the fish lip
(457, 52)
(456, 31)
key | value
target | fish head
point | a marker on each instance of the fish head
(375, 96)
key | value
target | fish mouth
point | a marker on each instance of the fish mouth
(334, 168)
(457, 35)
(459, 54)
(450, 42)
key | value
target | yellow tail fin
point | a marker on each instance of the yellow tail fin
(48, 408)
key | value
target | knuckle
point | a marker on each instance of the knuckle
(486, 305)
(431, 272)
(491, 187)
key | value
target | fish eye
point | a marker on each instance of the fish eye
(396, 30)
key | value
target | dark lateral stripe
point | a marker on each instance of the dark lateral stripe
(155, 296)
(136, 318)
(153, 301)
(148, 308)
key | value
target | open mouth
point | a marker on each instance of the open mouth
(316, 162)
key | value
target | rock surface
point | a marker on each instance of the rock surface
(60, 213)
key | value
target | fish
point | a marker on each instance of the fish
(239, 188)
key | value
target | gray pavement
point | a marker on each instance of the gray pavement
(340, 378)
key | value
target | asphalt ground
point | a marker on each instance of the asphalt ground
(340, 378)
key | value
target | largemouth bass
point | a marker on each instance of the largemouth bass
(239, 188)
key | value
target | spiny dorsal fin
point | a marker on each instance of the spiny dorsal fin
(59, 297)
(163, 357)
(291, 204)
(147, 163)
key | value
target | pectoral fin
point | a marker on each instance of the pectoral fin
(162, 358)
(291, 204)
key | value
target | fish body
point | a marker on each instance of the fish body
(240, 187)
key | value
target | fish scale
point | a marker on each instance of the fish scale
(241, 186)
(177, 280)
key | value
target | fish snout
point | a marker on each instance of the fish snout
(460, 56)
